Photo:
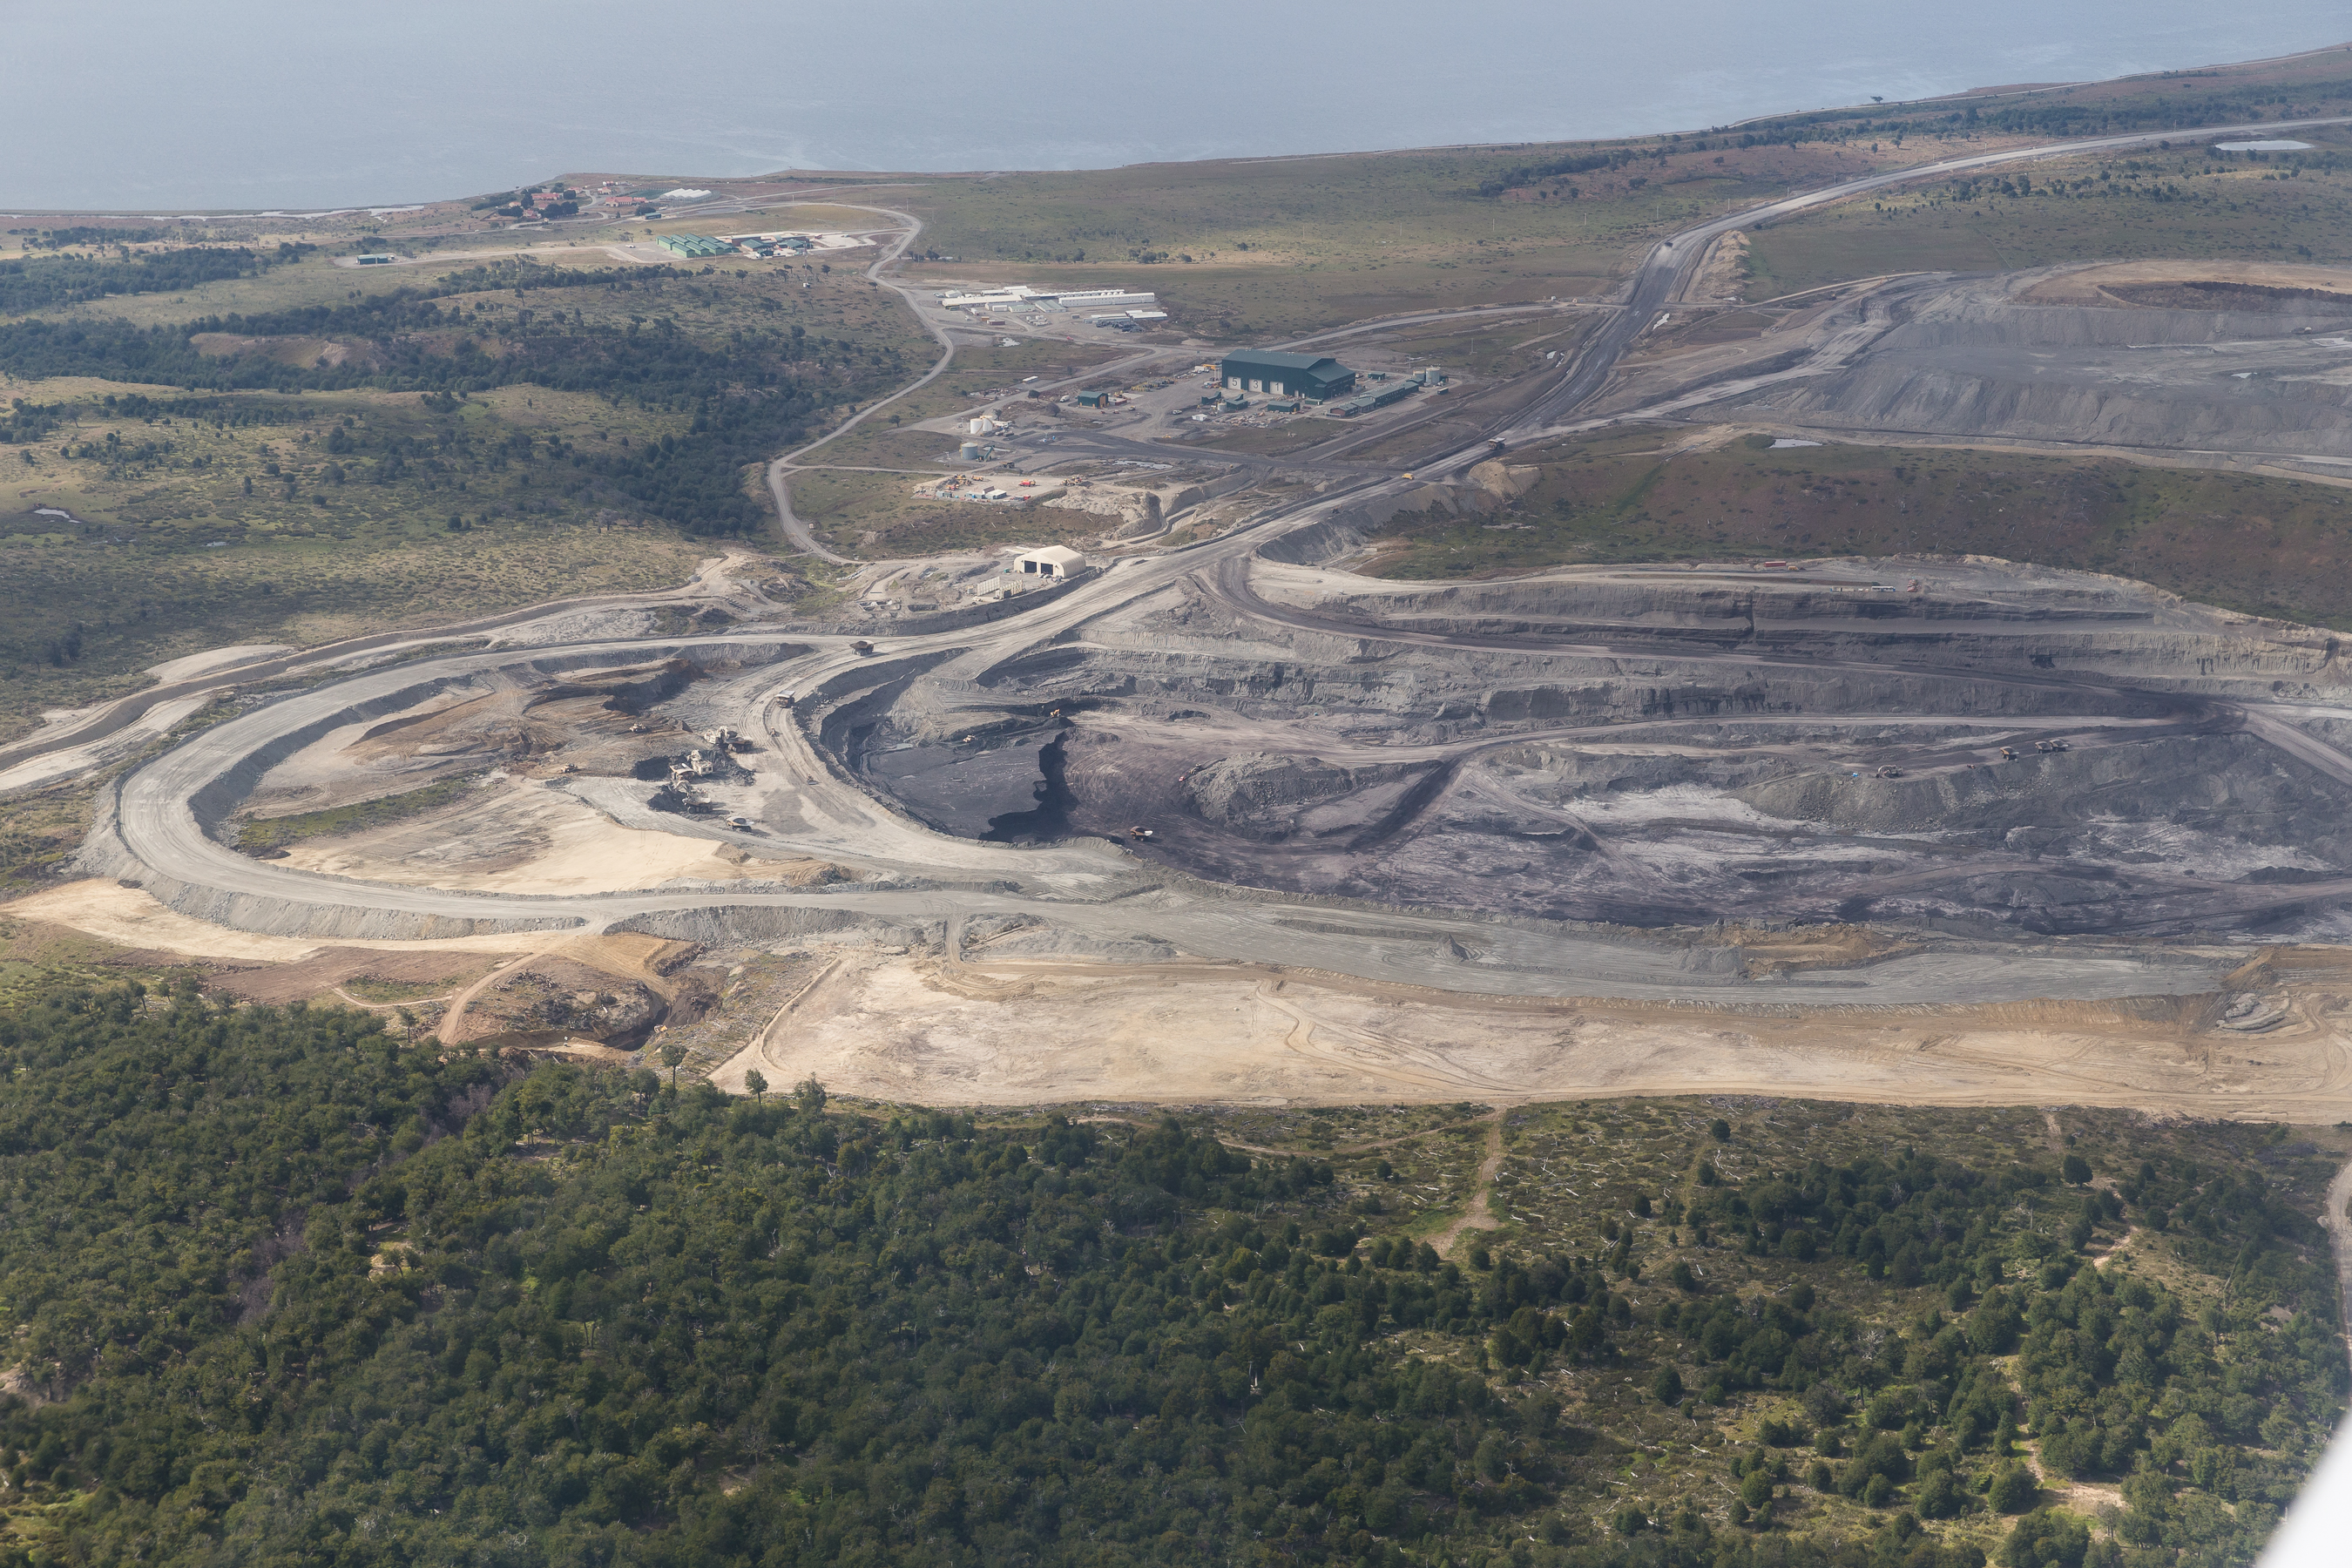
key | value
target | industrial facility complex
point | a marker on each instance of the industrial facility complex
(1726, 944)
(1051, 560)
(766, 244)
(1394, 392)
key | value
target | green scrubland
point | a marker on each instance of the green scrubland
(293, 1291)
(2267, 546)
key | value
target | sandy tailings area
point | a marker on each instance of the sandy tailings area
(918, 1027)
(519, 836)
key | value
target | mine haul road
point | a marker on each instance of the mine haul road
(1545, 403)
(150, 832)
(153, 835)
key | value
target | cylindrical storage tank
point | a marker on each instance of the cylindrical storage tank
(970, 452)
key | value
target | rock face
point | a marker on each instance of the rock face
(1042, 940)
(1270, 796)
(2006, 750)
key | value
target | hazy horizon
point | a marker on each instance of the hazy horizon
(260, 103)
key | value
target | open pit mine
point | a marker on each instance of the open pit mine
(1218, 824)
(1216, 820)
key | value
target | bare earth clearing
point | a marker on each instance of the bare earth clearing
(1030, 1034)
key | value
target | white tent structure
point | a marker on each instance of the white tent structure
(1052, 560)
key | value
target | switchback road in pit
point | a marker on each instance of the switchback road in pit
(158, 831)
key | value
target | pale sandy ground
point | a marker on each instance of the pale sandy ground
(901, 1026)
(623, 953)
(131, 918)
(912, 1028)
(916, 1027)
(2082, 286)
(53, 765)
(578, 849)
(196, 663)
(1722, 278)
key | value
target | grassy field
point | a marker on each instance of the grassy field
(35, 958)
(261, 465)
(980, 373)
(312, 279)
(1270, 248)
(875, 514)
(1257, 249)
(2273, 547)
(325, 505)
(84, 616)
(39, 832)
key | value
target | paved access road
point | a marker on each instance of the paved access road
(1545, 400)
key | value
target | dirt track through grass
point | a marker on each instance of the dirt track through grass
(1479, 1215)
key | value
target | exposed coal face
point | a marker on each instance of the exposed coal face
(1049, 818)
(1003, 785)
(2021, 750)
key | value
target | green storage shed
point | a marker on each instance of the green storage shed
(1317, 376)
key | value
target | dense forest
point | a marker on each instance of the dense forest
(290, 1290)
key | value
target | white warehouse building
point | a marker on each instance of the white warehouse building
(1021, 297)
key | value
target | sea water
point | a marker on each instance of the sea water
(278, 104)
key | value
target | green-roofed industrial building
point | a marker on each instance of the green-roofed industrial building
(1286, 375)
(697, 245)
